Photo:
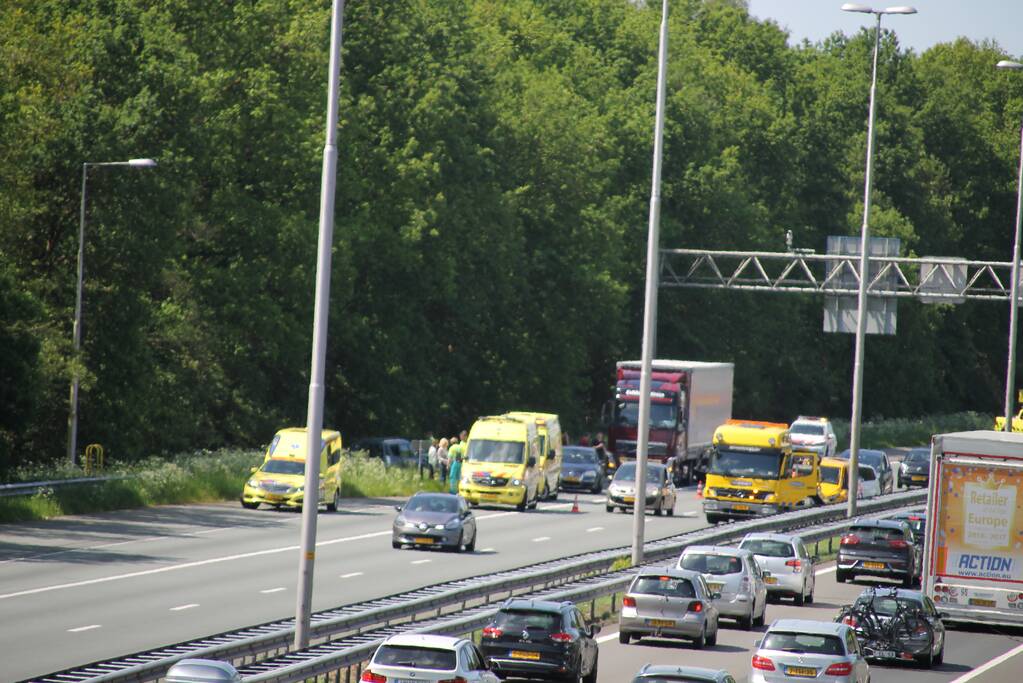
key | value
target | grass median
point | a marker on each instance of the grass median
(204, 477)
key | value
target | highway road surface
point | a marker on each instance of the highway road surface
(984, 655)
(79, 589)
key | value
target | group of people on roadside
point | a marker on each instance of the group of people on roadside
(445, 459)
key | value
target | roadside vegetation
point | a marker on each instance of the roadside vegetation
(203, 477)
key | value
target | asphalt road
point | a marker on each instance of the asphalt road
(79, 589)
(966, 651)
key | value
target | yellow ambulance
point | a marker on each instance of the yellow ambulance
(502, 463)
(548, 430)
(280, 480)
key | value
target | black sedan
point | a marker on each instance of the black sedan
(435, 520)
(581, 468)
(915, 469)
(879, 547)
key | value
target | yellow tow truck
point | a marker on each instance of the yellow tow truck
(754, 472)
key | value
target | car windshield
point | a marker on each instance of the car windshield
(807, 428)
(278, 466)
(809, 643)
(522, 620)
(485, 450)
(741, 464)
(768, 548)
(662, 415)
(705, 563)
(831, 475)
(867, 473)
(918, 457)
(627, 472)
(667, 586)
(873, 534)
(415, 657)
(872, 459)
(580, 457)
(432, 504)
(886, 605)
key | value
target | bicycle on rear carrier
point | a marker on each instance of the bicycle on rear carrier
(904, 635)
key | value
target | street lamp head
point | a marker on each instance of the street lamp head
(1008, 64)
(853, 7)
(863, 9)
(902, 9)
(141, 163)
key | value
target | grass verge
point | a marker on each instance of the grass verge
(197, 478)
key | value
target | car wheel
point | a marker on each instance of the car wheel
(701, 641)
(624, 637)
(939, 658)
(472, 546)
(610, 508)
(800, 597)
(250, 506)
(712, 639)
(927, 660)
(759, 621)
(809, 597)
(536, 499)
(908, 580)
(658, 510)
(335, 504)
(746, 622)
(396, 545)
(592, 676)
(521, 507)
(841, 576)
(598, 487)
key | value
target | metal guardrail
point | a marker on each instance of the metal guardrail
(343, 636)
(30, 488)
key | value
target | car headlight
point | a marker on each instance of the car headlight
(253, 483)
(296, 489)
(708, 492)
(438, 526)
(516, 482)
(453, 524)
(770, 498)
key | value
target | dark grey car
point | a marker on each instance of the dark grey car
(915, 469)
(879, 547)
(581, 468)
(435, 520)
(878, 460)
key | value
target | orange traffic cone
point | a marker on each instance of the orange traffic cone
(575, 503)
(699, 490)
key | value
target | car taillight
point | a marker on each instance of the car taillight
(851, 539)
(898, 544)
(796, 565)
(628, 601)
(492, 632)
(850, 620)
(762, 663)
(456, 679)
(696, 606)
(562, 637)
(839, 669)
(745, 583)
(369, 677)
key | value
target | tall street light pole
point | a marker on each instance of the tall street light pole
(314, 418)
(650, 303)
(72, 421)
(1010, 373)
(861, 308)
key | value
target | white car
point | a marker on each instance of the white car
(868, 485)
(814, 434)
(787, 566)
(802, 650)
(427, 659)
(733, 574)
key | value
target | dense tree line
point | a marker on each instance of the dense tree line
(493, 187)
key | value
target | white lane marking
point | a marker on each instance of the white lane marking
(826, 570)
(689, 514)
(83, 628)
(609, 636)
(181, 608)
(487, 550)
(421, 561)
(350, 575)
(274, 590)
(990, 665)
(228, 558)
(594, 528)
(540, 539)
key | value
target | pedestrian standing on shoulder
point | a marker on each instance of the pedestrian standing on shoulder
(442, 459)
(431, 456)
(455, 472)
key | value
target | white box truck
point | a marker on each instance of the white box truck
(973, 550)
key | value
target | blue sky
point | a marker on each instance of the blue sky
(937, 21)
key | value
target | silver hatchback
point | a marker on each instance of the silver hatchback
(670, 603)
(788, 567)
(733, 573)
(800, 650)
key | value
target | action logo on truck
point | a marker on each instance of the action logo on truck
(980, 534)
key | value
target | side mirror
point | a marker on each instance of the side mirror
(253, 470)
(466, 514)
(766, 574)
(943, 615)
(815, 559)
(398, 508)
(594, 629)
(716, 596)
(531, 462)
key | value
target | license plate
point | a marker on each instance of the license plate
(885, 654)
(873, 565)
(740, 507)
(629, 499)
(802, 671)
(424, 540)
(981, 602)
(571, 480)
(522, 654)
(272, 497)
(661, 622)
(918, 478)
(404, 680)
(488, 496)
(770, 579)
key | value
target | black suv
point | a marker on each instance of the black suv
(541, 639)
(879, 547)
(915, 469)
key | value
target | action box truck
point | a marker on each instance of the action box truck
(973, 549)
(688, 400)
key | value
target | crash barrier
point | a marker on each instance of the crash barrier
(347, 636)
(31, 488)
